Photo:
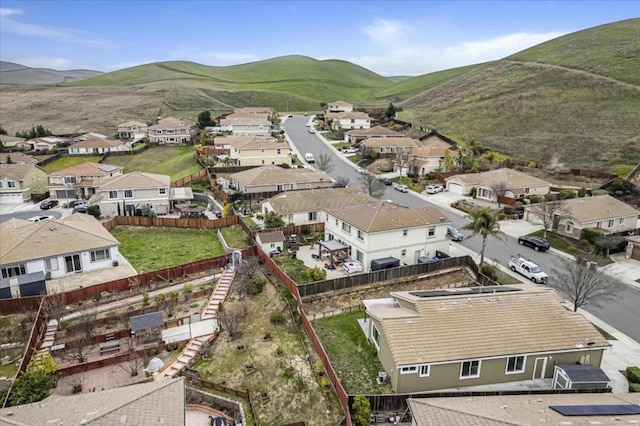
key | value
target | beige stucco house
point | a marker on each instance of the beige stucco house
(94, 145)
(446, 339)
(255, 150)
(358, 135)
(170, 131)
(349, 120)
(15, 143)
(80, 181)
(517, 184)
(386, 145)
(426, 159)
(246, 124)
(46, 144)
(19, 181)
(268, 179)
(131, 192)
(17, 158)
(339, 106)
(132, 130)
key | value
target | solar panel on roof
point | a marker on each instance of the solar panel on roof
(596, 410)
(107, 168)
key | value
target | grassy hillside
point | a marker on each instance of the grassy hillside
(611, 50)
(557, 98)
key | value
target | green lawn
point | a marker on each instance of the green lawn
(246, 219)
(235, 236)
(65, 162)
(621, 169)
(559, 243)
(354, 360)
(150, 249)
(176, 161)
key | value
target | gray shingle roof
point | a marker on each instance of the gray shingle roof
(144, 321)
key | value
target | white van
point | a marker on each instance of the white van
(309, 158)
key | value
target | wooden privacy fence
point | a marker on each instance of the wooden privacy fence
(215, 386)
(293, 229)
(169, 222)
(188, 179)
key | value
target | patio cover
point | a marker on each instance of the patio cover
(332, 245)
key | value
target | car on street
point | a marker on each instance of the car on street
(526, 267)
(362, 170)
(80, 209)
(454, 233)
(536, 243)
(387, 181)
(434, 189)
(290, 115)
(402, 188)
(48, 204)
(350, 150)
(337, 185)
(40, 218)
(312, 130)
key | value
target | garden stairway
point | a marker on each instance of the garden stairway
(209, 312)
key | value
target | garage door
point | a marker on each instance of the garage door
(11, 198)
(455, 188)
(635, 254)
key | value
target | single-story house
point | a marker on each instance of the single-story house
(89, 135)
(47, 143)
(603, 212)
(95, 145)
(80, 181)
(129, 193)
(17, 158)
(304, 207)
(255, 150)
(14, 142)
(515, 184)
(426, 159)
(447, 339)
(56, 247)
(380, 229)
(358, 135)
(269, 179)
(271, 242)
(19, 181)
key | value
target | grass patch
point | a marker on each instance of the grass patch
(604, 333)
(353, 358)
(504, 278)
(622, 170)
(150, 249)
(235, 236)
(9, 370)
(297, 270)
(559, 243)
(66, 162)
(354, 158)
(175, 161)
(248, 221)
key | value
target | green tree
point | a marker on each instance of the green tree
(227, 210)
(204, 120)
(2, 131)
(485, 223)
(33, 385)
(94, 211)
(9, 160)
(362, 408)
(273, 220)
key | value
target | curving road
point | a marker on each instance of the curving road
(622, 313)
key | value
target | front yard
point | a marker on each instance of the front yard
(150, 249)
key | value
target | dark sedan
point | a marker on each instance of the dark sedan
(48, 204)
(536, 243)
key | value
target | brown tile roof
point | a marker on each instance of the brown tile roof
(340, 103)
(514, 178)
(549, 326)
(271, 237)
(170, 123)
(519, 410)
(132, 123)
(431, 151)
(379, 215)
(148, 404)
(600, 207)
(379, 142)
(16, 171)
(375, 131)
(17, 157)
(9, 138)
(317, 199)
(271, 175)
(249, 119)
(23, 240)
(95, 142)
(136, 180)
(87, 169)
(435, 140)
(250, 142)
(355, 115)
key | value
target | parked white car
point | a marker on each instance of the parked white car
(524, 266)
(362, 170)
(40, 218)
(350, 150)
(434, 189)
(402, 188)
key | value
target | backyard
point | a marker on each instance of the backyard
(14, 335)
(150, 249)
(70, 161)
(235, 237)
(176, 161)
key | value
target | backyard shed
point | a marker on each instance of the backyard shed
(147, 327)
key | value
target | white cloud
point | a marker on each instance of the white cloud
(43, 62)
(385, 31)
(501, 46)
(7, 12)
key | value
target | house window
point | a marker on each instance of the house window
(162, 191)
(13, 271)
(409, 369)
(403, 253)
(527, 190)
(313, 215)
(262, 161)
(278, 151)
(346, 227)
(170, 132)
(424, 370)
(610, 225)
(375, 336)
(72, 263)
(360, 235)
(569, 227)
(128, 193)
(69, 179)
(431, 231)
(158, 132)
(336, 222)
(598, 225)
(113, 195)
(405, 232)
(470, 369)
(0, 184)
(359, 256)
(279, 188)
(98, 255)
(621, 221)
(159, 140)
(11, 184)
(51, 264)
(515, 364)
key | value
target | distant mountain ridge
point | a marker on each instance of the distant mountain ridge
(16, 74)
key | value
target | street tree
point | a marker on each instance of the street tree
(370, 184)
(324, 163)
(401, 157)
(343, 180)
(500, 188)
(580, 281)
(484, 222)
(546, 211)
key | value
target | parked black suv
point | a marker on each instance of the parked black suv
(536, 243)
(48, 204)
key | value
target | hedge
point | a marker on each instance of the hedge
(591, 235)
(633, 374)
(634, 387)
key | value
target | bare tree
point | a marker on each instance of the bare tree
(80, 348)
(168, 302)
(343, 180)
(370, 184)
(324, 163)
(54, 308)
(134, 362)
(247, 270)
(229, 318)
(546, 211)
(583, 284)
(555, 166)
(500, 188)
(400, 158)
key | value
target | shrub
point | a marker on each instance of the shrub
(599, 192)
(633, 374)
(255, 285)
(276, 317)
(582, 192)
(374, 154)
(473, 192)
(508, 210)
(534, 199)
(591, 235)
(489, 271)
(634, 387)
(94, 211)
(145, 298)
(187, 288)
(316, 274)
(567, 194)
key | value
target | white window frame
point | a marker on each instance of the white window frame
(278, 151)
(11, 184)
(159, 132)
(106, 253)
(375, 335)
(611, 223)
(521, 370)
(409, 369)
(570, 226)
(130, 191)
(403, 253)
(405, 232)
(162, 191)
(621, 221)
(422, 368)
(599, 225)
(51, 264)
(346, 228)
(360, 235)
(431, 232)
(470, 362)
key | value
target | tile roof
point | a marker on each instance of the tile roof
(17, 157)
(23, 240)
(136, 180)
(9, 138)
(340, 103)
(87, 169)
(549, 326)
(355, 115)
(271, 237)
(133, 123)
(16, 171)
(255, 110)
(518, 410)
(431, 151)
(514, 178)
(317, 199)
(170, 123)
(600, 207)
(271, 175)
(376, 216)
(250, 142)
(95, 142)
(254, 119)
(400, 142)
(160, 402)
(375, 131)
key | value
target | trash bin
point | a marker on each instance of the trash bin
(520, 215)
(294, 255)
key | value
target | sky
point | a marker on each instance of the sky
(391, 38)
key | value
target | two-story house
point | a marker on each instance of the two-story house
(129, 193)
(271, 179)
(388, 147)
(80, 181)
(380, 229)
(255, 150)
(95, 145)
(447, 339)
(170, 131)
(426, 159)
(350, 120)
(512, 183)
(132, 130)
(304, 207)
(246, 124)
(358, 135)
(19, 181)
(339, 106)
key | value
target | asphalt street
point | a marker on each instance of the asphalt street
(623, 313)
